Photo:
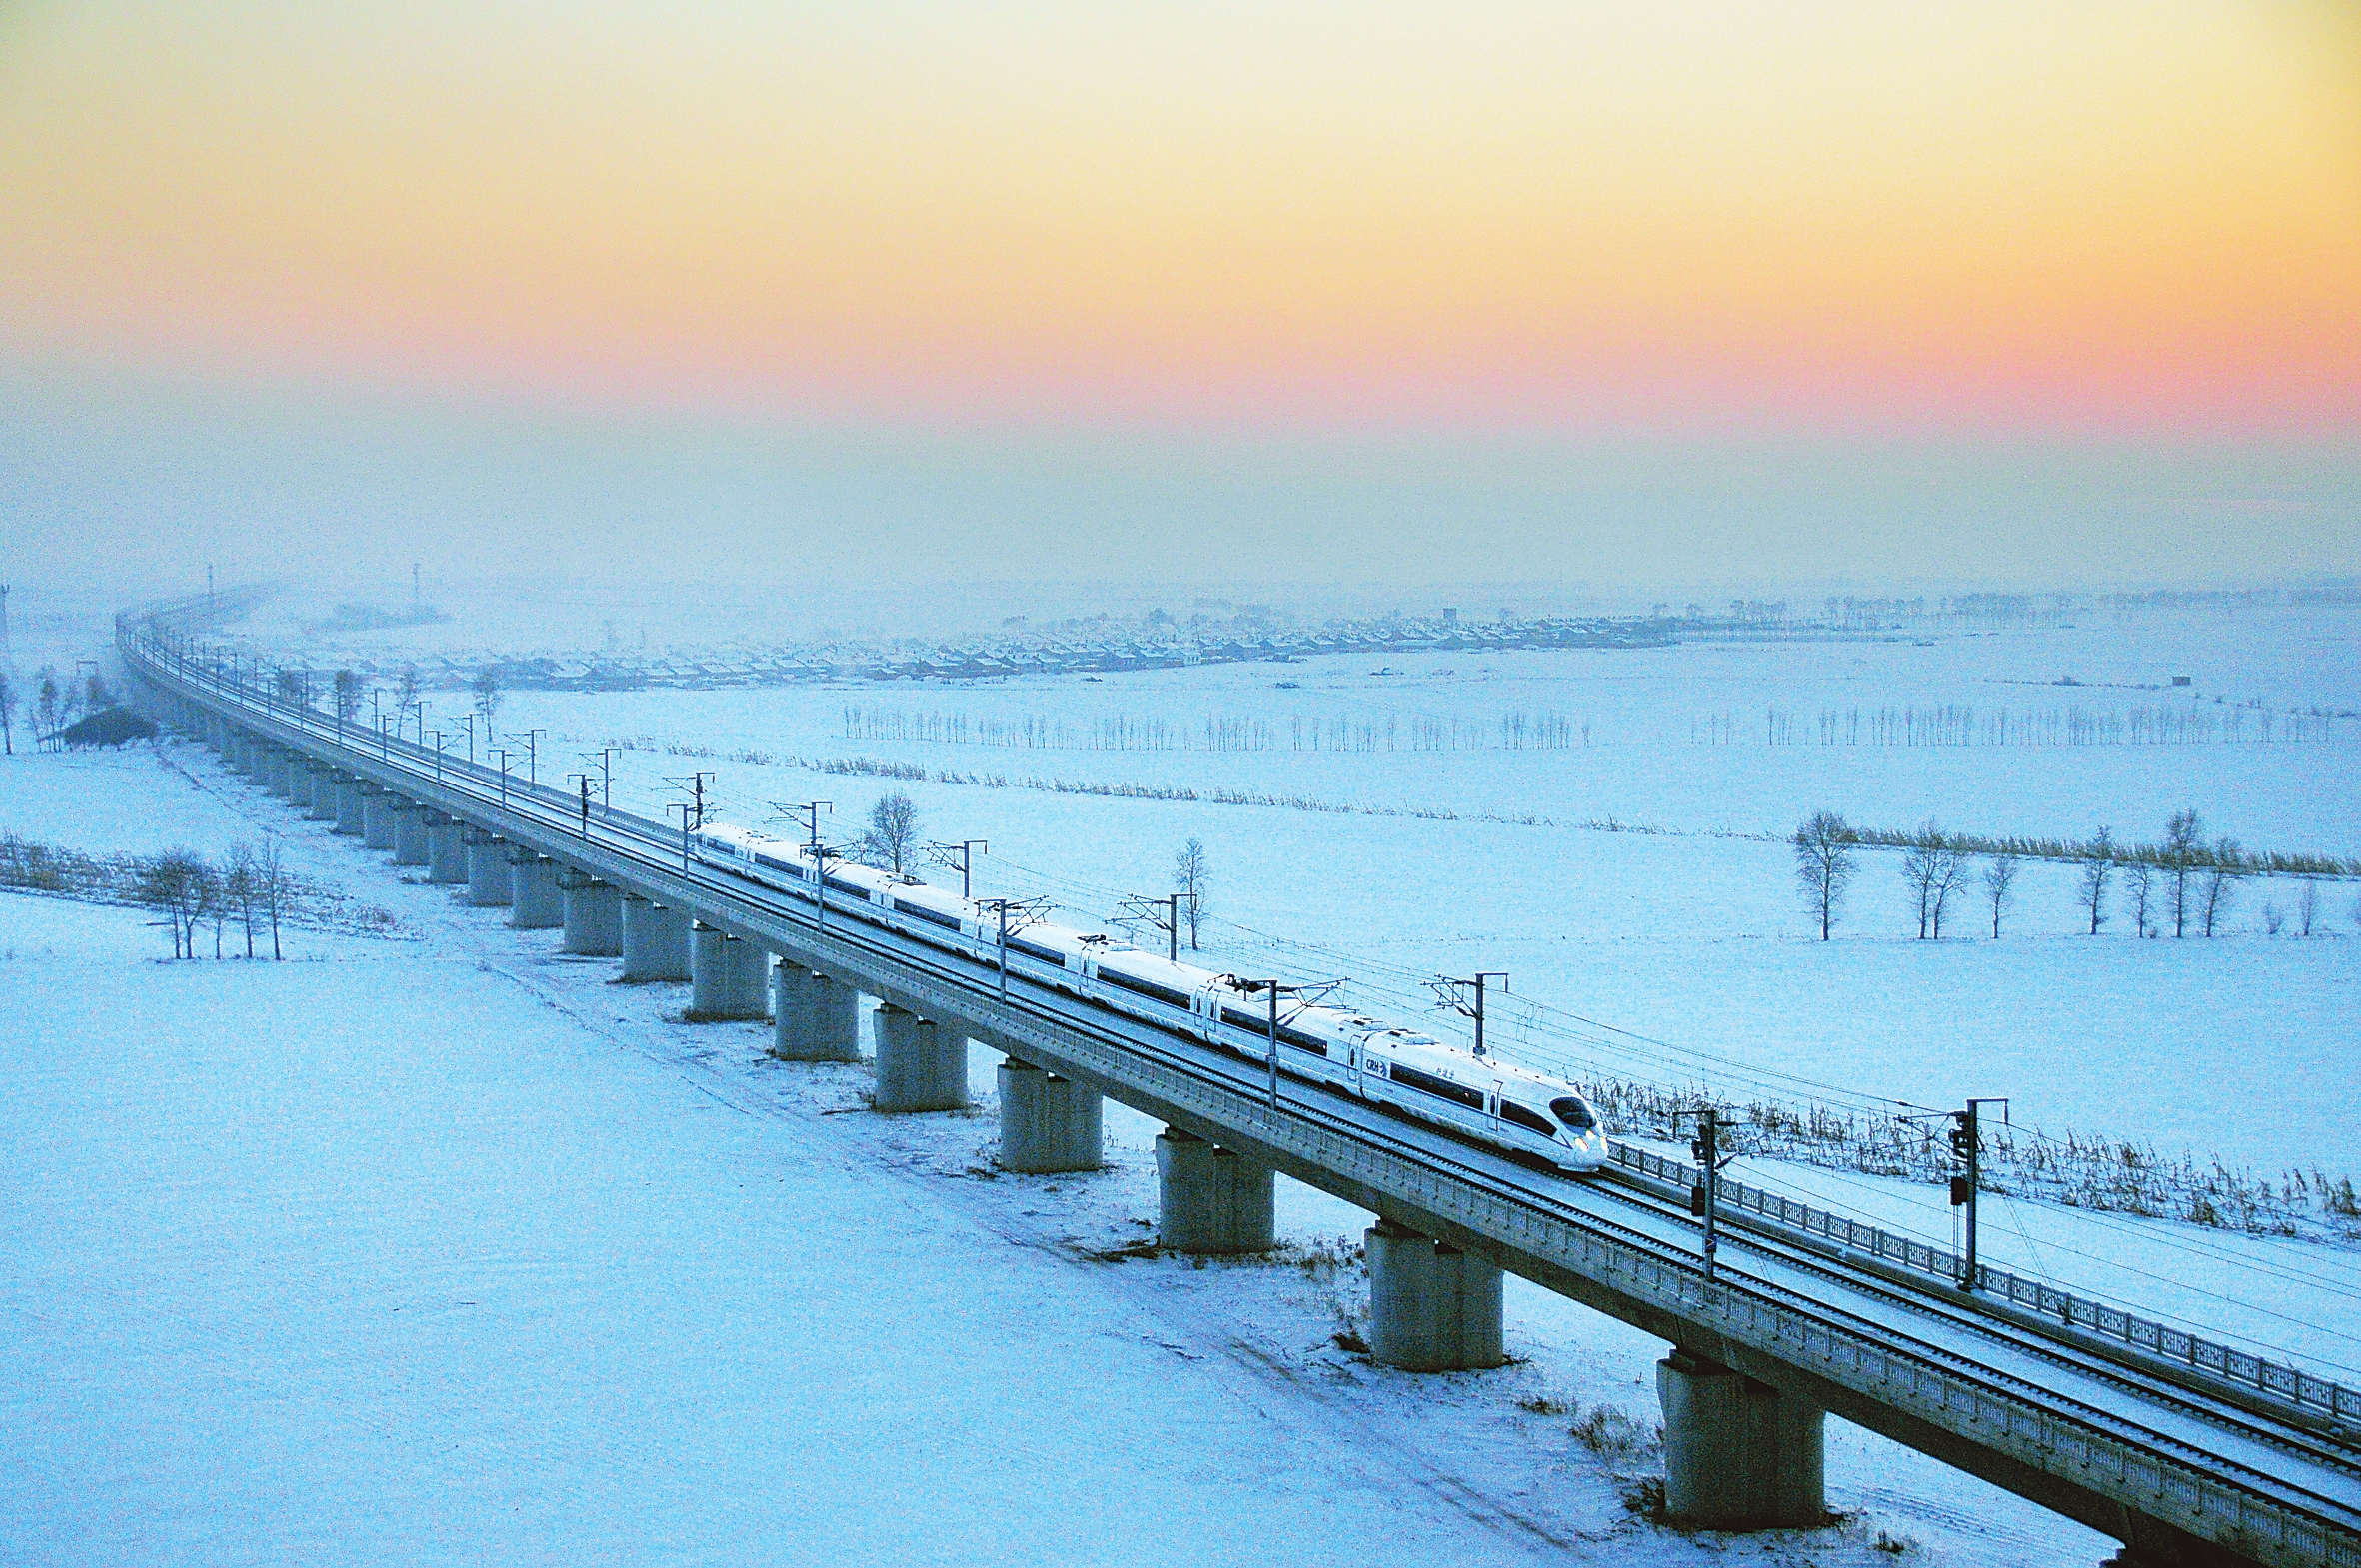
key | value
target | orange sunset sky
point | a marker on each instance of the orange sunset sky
(2135, 227)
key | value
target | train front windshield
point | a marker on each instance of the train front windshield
(1575, 1114)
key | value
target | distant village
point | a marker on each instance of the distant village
(1215, 632)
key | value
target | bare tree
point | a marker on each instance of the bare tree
(218, 904)
(404, 698)
(1954, 878)
(2098, 864)
(2183, 840)
(348, 695)
(2001, 875)
(270, 887)
(8, 705)
(97, 695)
(2140, 879)
(238, 887)
(199, 895)
(2220, 882)
(161, 886)
(1189, 879)
(1934, 869)
(45, 706)
(486, 686)
(182, 886)
(2273, 920)
(892, 833)
(2307, 911)
(1823, 865)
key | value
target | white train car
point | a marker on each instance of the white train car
(1533, 1116)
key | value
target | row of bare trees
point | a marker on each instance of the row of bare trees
(249, 887)
(56, 703)
(2185, 879)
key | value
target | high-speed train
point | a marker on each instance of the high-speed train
(1530, 1116)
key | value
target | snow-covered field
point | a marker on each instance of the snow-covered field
(1637, 885)
(447, 1249)
(1687, 939)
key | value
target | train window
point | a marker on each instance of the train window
(1303, 1041)
(1529, 1121)
(1162, 994)
(1443, 1089)
(920, 912)
(1575, 1114)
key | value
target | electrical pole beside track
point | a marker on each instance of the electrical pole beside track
(1455, 995)
(1274, 989)
(808, 814)
(960, 858)
(1142, 908)
(1027, 910)
(530, 738)
(606, 778)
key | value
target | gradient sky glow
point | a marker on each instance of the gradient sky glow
(2130, 224)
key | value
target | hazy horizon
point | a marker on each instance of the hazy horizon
(2014, 296)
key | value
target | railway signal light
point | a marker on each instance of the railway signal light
(1968, 1142)
(1706, 1148)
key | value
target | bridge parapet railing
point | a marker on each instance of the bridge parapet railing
(2223, 1363)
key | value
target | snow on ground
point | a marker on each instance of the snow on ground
(1682, 956)
(454, 1250)
(1696, 944)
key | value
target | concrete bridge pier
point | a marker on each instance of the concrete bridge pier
(488, 884)
(348, 807)
(921, 1065)
(1211, 1201)
(273, 772)
(729, 977)
(533, 893)
(1048, 1124)
(411, 830)
(1738, 1454)
(446, 848)
(1433, 1308)
(377, 817)
(654, 940)
(593, 915)
(818, 1019)
(320, 792)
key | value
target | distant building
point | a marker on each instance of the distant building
(2181, 680)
